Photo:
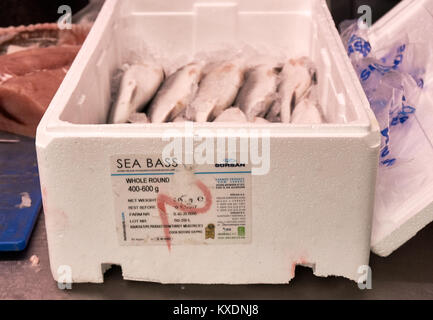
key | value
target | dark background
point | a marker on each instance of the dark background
(22, 12)
(347, 9)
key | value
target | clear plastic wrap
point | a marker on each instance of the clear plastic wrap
(395, 78)
(392, 78)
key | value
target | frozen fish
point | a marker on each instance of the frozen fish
(179, 119)
(260, 120)
(259, 91)
(176, 93)
(231, 115)
(217, 91)
(139, 84)
(138, 117)
(307, 112)
(296, 79)
(272, 117)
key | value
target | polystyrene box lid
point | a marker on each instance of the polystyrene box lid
(397, 223)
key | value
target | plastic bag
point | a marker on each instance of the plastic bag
(392, 78)
(89, 13)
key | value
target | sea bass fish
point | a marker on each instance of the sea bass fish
(176, 93)
(307, 112)
(232, 115)
(138, 85)
(260, 120)
(296, 79)
(259, 91)
(217, 91)
(179, 119)
(138, 117)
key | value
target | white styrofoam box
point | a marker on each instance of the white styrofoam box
(313, 208)
(397, 223)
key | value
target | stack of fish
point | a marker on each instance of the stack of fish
(228, 91)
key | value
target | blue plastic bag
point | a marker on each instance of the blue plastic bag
(392, 79)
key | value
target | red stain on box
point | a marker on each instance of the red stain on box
(164, 199)
(300, 261)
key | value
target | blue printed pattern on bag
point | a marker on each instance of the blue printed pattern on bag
(358, 44)
(383, 69)
(386, 64)
(385, 151)
(403, 115)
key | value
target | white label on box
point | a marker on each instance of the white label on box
(163, 202)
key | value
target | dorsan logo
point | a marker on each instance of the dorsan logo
(231, 165)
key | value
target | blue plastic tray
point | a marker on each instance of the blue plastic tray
(18, 174)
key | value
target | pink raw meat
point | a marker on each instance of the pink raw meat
(28, 81)
(23, 62)
(24, 99)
